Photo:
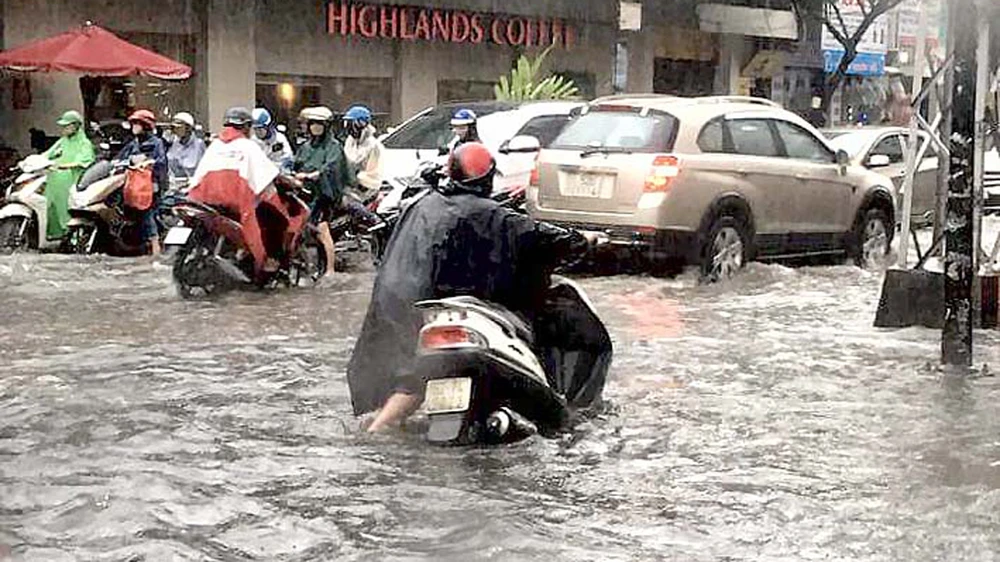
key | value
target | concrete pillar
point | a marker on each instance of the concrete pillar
(641, 60)
(231, 62)
(414, 85)
(727, 74)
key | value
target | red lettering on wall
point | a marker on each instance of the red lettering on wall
(354, 19)
(347, 18)
(478, 29)
(543, 33)
(557, 32)
(387, 27)
(496, 32)
(570, 34)
(405, 32)
(441, 26)
(423, 30)
(460, 27)
(515, 31)
(367, 24)
(336, 19)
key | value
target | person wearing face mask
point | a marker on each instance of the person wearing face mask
(72, 153)
(274, 143)
(187, 149)
(464, 123)
(144, 141)
(321, 164)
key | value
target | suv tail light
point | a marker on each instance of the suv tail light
(534, 181)
(661, 175)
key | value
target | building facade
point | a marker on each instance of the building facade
(396, 57)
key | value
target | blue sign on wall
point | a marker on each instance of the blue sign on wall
(864, 64)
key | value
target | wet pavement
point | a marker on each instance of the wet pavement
(762, 419)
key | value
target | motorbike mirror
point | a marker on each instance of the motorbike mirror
(443, 151)
(521, 144)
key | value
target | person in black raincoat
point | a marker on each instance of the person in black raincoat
(453, 241)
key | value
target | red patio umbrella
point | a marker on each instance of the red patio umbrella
(93, 51)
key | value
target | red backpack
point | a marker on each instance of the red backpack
(139, 188)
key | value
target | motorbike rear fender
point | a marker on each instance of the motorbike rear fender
(16, 209)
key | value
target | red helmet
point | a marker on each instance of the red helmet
(143, 116)
(471, 163)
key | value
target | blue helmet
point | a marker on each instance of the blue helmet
(359, 114)
(261, 118)
(463, 117)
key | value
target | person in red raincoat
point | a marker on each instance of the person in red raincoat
(236, 175)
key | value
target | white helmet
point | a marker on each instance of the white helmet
(185, 118)
(318, 113)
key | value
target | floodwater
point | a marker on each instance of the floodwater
(762, 419)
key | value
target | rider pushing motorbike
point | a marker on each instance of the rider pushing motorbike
(454, 241)
(237, 176)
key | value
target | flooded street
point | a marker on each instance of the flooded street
(764, 419)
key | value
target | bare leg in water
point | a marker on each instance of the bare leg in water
(327, 241)
(397, 408)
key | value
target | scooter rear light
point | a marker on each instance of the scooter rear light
(442, 337)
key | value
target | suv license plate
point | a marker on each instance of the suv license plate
(448, 395)
(177, 236)
(596, 186)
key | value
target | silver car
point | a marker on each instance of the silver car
(715, 181)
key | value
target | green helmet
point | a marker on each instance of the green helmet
(69, 118)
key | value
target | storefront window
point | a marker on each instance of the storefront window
(464, 90)
(285, 95)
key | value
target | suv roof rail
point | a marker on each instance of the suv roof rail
(619, 97)
(737, 99)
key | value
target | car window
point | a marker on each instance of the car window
(711, 138)
(625, 129)
(801, 144)
(752, 137)
(890, 146)
(431, 130)
(545, 128)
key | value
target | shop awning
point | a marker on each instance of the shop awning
(93, 51)
(755, 22)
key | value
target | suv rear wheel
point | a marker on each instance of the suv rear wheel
(726, 249)
(872, 239)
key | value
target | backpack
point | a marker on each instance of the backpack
(139, 188)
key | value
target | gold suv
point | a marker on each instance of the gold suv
(715, 181)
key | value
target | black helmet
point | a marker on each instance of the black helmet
(238, 117)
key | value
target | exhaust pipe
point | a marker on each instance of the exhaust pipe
(507, 425)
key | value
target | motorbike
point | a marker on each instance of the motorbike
(485, 381)
(100, 222)
(212, 255)
(24, 216)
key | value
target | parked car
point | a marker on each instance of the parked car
(883, 150)
(423, 136)
(715, 181)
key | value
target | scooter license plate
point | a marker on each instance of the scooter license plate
(444, 396)
(177, 236)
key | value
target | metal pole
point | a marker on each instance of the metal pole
(979, 156)
(911, 153)
(956, 337)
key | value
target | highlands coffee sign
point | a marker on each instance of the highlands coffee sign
(407, 23)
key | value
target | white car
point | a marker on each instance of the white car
(425, 135)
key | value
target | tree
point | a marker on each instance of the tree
(523, 83)
(829, 14)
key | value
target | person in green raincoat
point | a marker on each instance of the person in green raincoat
(321, 164)
(72, 153)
